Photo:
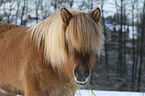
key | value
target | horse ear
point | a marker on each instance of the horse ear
(65, 15)
(96, 15)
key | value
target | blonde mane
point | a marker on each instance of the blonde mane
(84, 34)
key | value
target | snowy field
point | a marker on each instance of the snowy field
(107, 93)
(104, 93)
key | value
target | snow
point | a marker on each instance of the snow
(107, 93)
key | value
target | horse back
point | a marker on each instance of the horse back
(6, 27)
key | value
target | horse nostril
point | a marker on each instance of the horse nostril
(76, 72)
(87, 73)
(81, 73)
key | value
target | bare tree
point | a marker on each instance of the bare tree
(37, 4)
(141, 50)
(133, 43)
(106, 47)
(137, 44)
(57, 4)
(17, 12)
(8, 11)
(124, 41)
(23, 12)
(120, 63)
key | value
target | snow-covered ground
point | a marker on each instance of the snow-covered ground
(107, 93)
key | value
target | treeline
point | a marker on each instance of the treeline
(125, 56)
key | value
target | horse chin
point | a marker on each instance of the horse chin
(81, 82)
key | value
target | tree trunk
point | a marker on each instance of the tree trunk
(23, 10)
(18, 5)
(141, 50)
(106, 51)
(133, 43)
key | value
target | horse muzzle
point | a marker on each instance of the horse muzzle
(81, 75)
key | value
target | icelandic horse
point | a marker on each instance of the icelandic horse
(51, 57)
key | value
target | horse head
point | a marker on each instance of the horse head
(83, 38)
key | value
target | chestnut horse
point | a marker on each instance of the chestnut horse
(51, 57)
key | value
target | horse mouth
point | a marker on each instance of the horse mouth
(81, 76)
(81, 81)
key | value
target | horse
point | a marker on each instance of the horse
(52, 57)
